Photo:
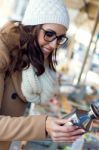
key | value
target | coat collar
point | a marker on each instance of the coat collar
(11, 31)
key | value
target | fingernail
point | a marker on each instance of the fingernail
(83, 130)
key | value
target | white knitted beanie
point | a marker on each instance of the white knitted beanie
(46, 11)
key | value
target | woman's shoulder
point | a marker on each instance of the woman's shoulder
(9, 34)
(8, 39)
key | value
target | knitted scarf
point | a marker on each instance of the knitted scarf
(38, 89)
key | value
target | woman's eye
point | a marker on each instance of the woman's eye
(50, 34)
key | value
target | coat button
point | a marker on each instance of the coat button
(14, 96)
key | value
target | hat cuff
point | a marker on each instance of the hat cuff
(42, 20)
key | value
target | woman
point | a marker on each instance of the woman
(27, 73)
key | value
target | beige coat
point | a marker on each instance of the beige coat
(13, 126)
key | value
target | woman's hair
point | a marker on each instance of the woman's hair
(29, 51)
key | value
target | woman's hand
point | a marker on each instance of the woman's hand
(60, 132)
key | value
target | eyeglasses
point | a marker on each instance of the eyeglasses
(50, 35)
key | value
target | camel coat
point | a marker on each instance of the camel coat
(14, 126)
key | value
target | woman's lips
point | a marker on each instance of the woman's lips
(48, 50)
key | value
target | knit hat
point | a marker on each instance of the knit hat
(46, 11)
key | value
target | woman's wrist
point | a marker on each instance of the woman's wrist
(46, 126)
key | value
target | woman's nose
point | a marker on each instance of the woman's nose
(53, 44)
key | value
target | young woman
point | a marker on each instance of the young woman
(27, 73)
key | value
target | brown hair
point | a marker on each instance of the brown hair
(29, 51)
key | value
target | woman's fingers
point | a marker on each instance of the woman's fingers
(66, 139)
(77, 132)
(62, 121)
(57, 125)
(60, 132)
(72, 130)
(69, 134)
(72, 133)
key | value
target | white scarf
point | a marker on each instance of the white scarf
(39, 89)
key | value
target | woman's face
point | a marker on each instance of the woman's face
(50, 37)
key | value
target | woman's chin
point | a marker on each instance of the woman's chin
(45, 56)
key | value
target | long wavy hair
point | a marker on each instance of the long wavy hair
(29, 51)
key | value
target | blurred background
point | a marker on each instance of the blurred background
(78, 61)
(82, 52)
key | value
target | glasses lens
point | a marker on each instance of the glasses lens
(49, 36)
(62, 40)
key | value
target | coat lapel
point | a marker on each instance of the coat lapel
(17, 79)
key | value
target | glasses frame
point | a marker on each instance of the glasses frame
(56, 37)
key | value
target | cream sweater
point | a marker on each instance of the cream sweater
(39, 89)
